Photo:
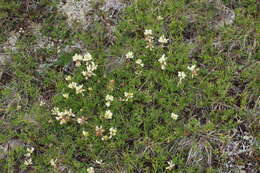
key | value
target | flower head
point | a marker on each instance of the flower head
(72, 85)
(108, 114)
(139, 62)
(159, 18)
(171, 165)
(79, 89)
(90, 170)
(85, 133)
(193, 70)
(105, 138)
(163, 62)
(163, 40)
(128, 96)
(148, 32)
(181, 76)
(77, 57)
(30, 150)
(109, 98)
(174, 116)
(42, 103)
(99, 131)
(112, 132)
(81, 120)
(129, 55)
(100, 162)
(87, 57)
(65, 95)
(28, 161)
(68, 78)
(53, 163)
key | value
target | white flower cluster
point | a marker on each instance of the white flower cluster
(129, 55)
(90, 170)
(85, 133)
(109, 99)
(90, 65)
(193, 70)
(28, 160)
(108, 114)
(63, 117)
(159, 18)
(79, 58)
(79, 88)
(53, 163)
(81, 120)
(171, 165)
(163, 40)
(174, 116)
(65, 95)
(100, 130)
(112, 132)
(148, 33)
(128, 96)
(163, 62)
(181, 76)
(139, 62)
(68, 78)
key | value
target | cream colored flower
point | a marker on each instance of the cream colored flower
(174, 116)
(87, 57)
(139, 62)
(55, 111)
(181, 76)
(162, 59)
(90, 170)
(100, 162)
(79, 89)
(108, 114)
(129, 55)
(99, 131)
(112, 132)
(128, 96)
(65, 95)
(53, 163)
(28, 161)
(72, 85)
(171, 165)
(108, 104)
(78, 63)
(77, 57)
(91, 67)
(105, 138)
(42, 103)
(69, 113)
(163, 40)
(27, 155)
(159, 18)
(30, 150)
(68, 78)
(163, 62)
(148, 32)
(109, 98)
(85, 133)
(193, 70)
(81, 120)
